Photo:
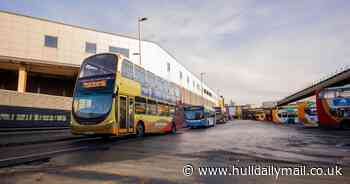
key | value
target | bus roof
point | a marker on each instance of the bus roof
(345, 87)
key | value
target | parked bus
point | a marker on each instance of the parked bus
(199, 116)
(333, 107)
(274, 113)
(231, 112)
(307, 114)
(259, 115)
(113, 97)
(220, 115)
(285, 115)
(268, 114)
(238, 112)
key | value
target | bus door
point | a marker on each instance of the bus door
(126, 114)
(211, 118)
(131, 113)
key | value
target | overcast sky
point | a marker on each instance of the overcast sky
(252, 51)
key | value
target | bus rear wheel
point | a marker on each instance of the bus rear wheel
(140, 130)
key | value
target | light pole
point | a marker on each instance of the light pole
(202, 73)
(140, 19)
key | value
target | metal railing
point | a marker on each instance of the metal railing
(320, 80)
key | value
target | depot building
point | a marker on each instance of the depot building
(40, 60)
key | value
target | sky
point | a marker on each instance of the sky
(251, 51)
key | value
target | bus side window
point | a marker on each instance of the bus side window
(345, 93)
(284, 114)
(127, 69)
(140, 105)
(139, 74)
(172, 110)
(167, 113)
(163, 109)
(151, 107)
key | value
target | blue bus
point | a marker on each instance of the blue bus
(199, 116)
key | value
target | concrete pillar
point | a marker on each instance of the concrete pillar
(22, 79)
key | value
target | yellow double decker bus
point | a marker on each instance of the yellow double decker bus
(113, 96)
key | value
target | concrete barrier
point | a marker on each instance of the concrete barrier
(32, 110)
(35, 100)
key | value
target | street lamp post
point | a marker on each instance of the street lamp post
(140, 19)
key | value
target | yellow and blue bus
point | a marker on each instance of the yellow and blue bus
(199, 116)
(115, 97)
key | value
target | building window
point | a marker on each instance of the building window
(51, 41)
(168, 67)
(119, 50)
(90, 47)
(207, 92)
(180, 75)
(188, 79)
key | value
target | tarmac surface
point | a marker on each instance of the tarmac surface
(162, 158)
(23, 136)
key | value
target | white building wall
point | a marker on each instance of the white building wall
(23, 37)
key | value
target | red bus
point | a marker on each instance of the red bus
(333, 107)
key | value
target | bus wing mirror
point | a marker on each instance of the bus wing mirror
(114, 95)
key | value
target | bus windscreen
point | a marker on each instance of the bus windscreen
(102, 64)
(94, 89)
(194, 113)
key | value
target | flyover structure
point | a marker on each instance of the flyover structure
(338, 79)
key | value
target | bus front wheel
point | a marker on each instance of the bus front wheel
(140, 130)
